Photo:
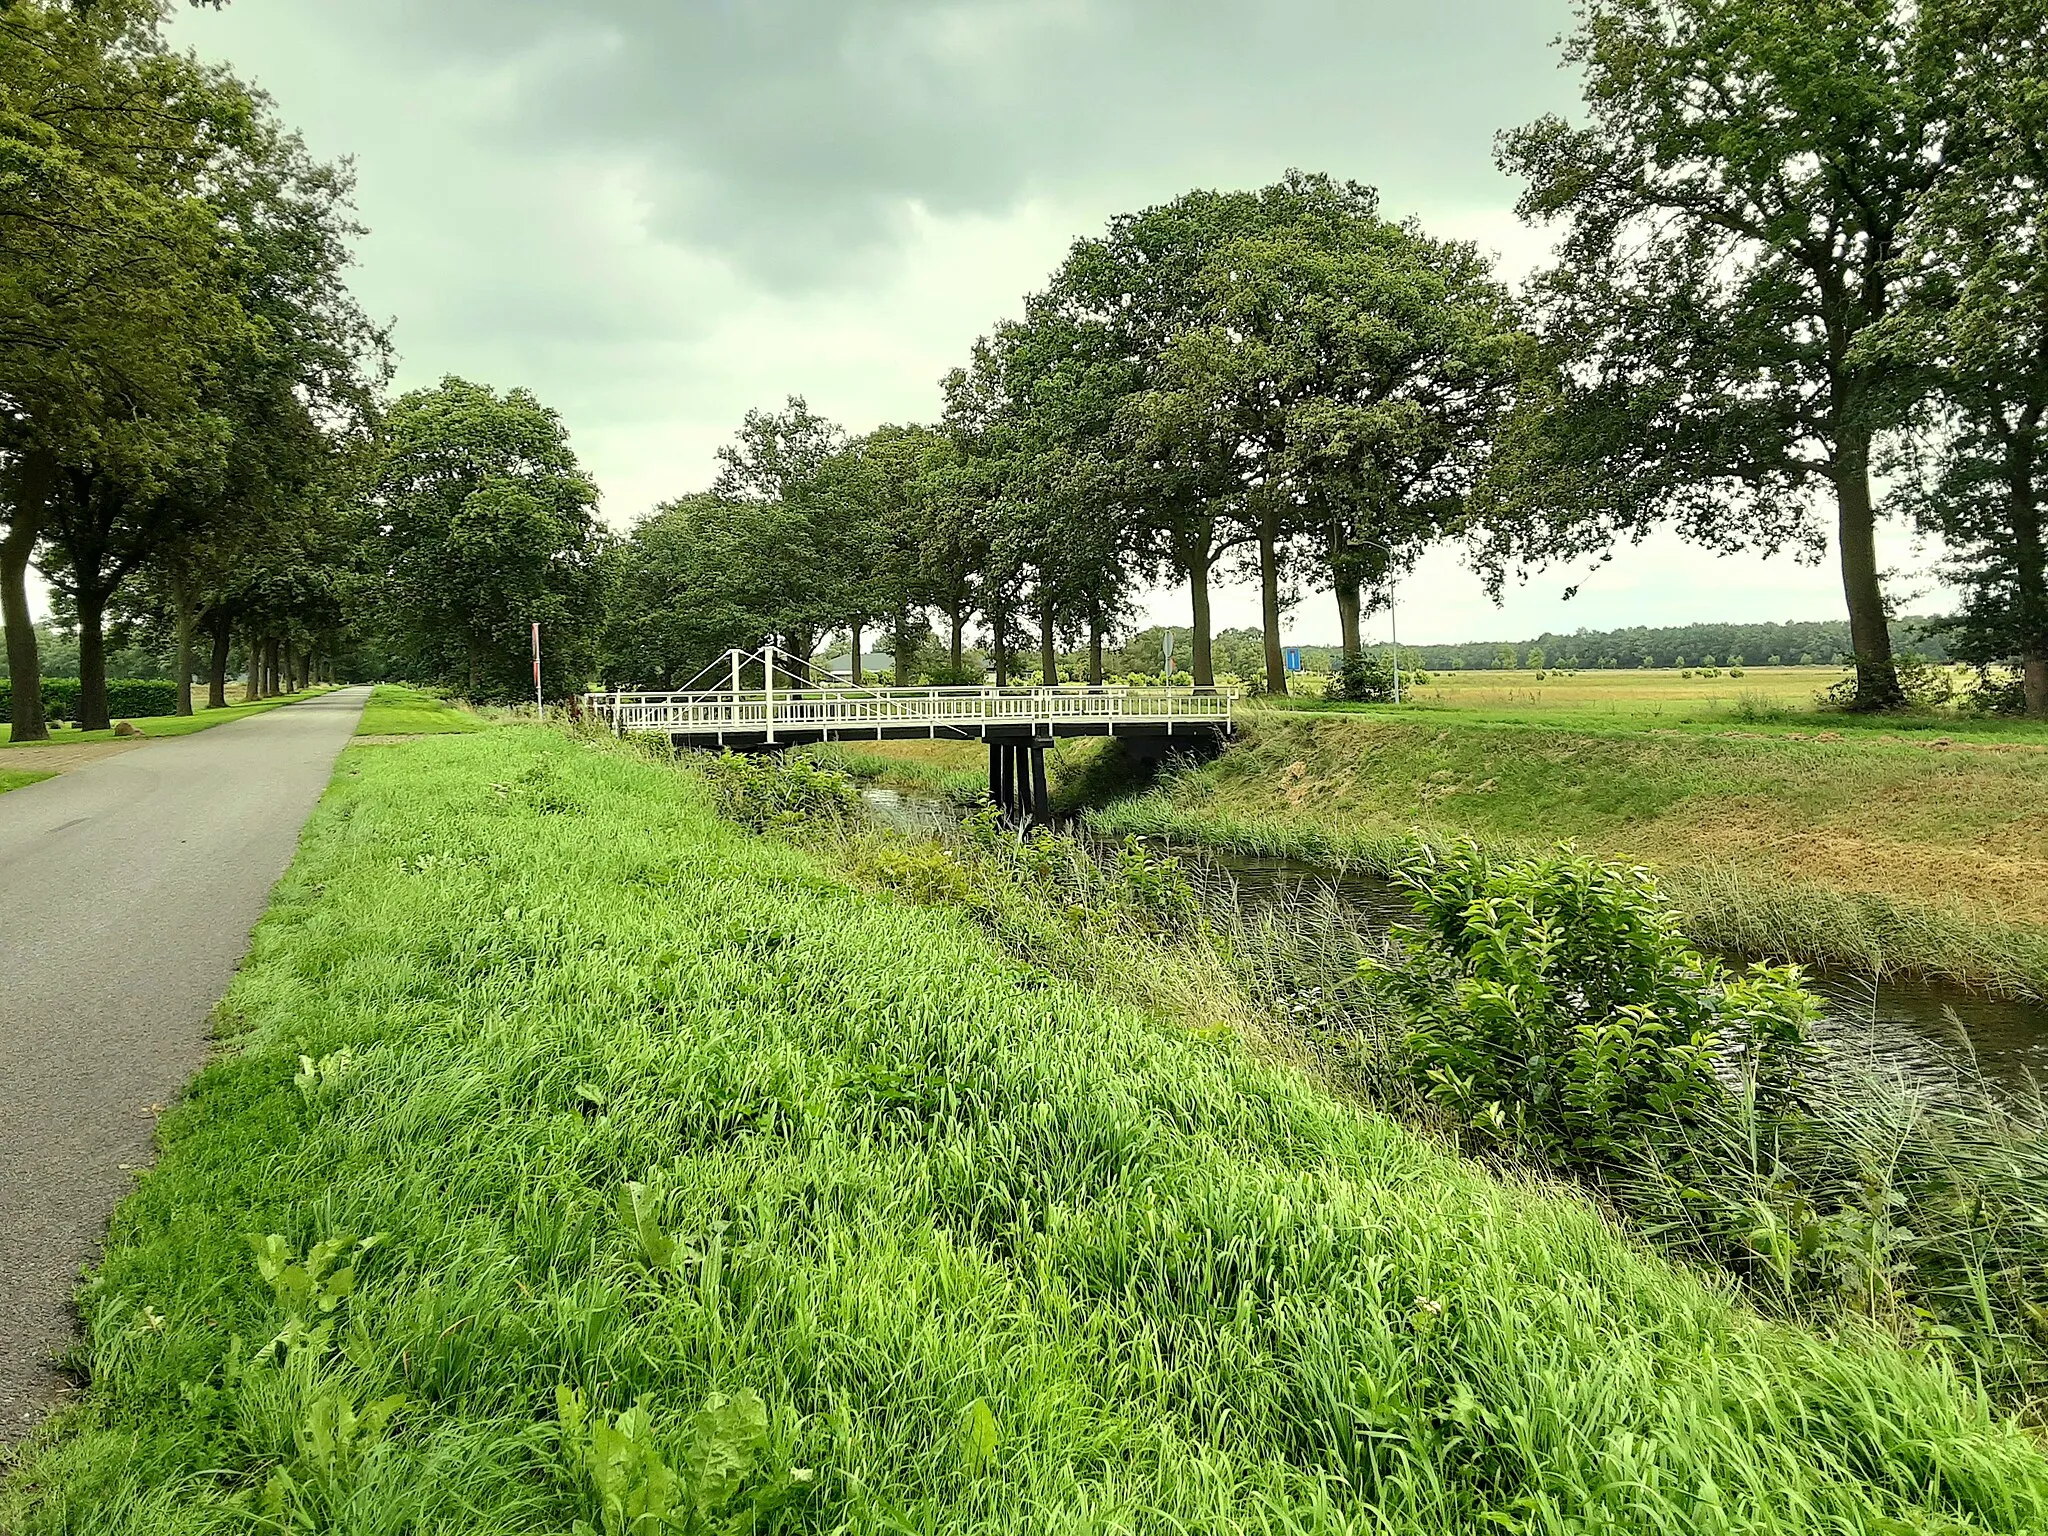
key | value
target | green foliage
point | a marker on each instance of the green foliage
(488, 528)
(764, 791)
(1556, 1003)
(1710, 375)
(127, 698)
(1661, 646)
(1361, 680)
(1194, 1290)
(718, 1486)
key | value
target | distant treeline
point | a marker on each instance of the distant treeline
(1822, 643)
(1687, 645)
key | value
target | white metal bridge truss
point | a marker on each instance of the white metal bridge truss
(793, 707)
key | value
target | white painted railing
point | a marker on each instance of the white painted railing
(937, 711)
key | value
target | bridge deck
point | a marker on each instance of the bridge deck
(796, 717)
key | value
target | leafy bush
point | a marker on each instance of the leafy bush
(141, 698)
(925, 872)
(1995, 691)
(775, 790)
(1361, 680)
(127, 698)
(1555, 1002)
(1926, 684)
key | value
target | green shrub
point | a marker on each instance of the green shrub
(141, 698)
(1361, 680)
(1556, 1003)
(771, 790)
(127, 698)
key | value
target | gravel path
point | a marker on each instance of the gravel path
(62, 759)
(127, 891)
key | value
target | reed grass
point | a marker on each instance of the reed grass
(1727, 906)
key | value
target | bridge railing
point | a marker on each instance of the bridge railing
(934, 709)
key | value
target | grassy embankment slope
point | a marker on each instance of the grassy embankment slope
(160, 726)
(995, 1254)
(1918, 849)
(396, 710)
(1918, 843)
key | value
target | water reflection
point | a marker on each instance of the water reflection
(1914, 1025)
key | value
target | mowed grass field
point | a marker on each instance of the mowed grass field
(671, 1171)
(1644, 694)
(397, 710)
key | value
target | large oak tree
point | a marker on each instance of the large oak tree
(1732, 210)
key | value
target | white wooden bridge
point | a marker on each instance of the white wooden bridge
(1018, 724)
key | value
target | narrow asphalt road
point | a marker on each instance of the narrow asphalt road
(127, 892)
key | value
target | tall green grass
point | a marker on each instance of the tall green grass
(922, 1238)
(884, 1231)
(396, 710)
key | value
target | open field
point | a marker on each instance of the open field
(601, 1101)
(396, 710)
(159, 726)
(1647, 693)
(1774, 699)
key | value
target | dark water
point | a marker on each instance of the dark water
(1920, 1027)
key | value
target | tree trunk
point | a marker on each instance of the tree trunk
(1048, 656)
(92, 660)
(24, 666)
(958, 615)
(854, 673)
(905, 653)
(1877, 679)
(999, 635)
(181, 599)
(1198, 590)
(217, 668)
(2030, 566)
(1269, 596)
(1348, 617)
(273, 678)
(1095, 650)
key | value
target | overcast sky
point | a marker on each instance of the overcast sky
(658, 213)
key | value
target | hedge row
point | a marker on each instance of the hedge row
(127, 698)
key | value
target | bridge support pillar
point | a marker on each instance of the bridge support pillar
(1017, 780)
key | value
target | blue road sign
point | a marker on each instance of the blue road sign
(1294, 658)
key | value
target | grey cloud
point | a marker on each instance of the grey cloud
(792, 135)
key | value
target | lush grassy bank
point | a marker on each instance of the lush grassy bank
(888, 1232)
(396, 710)
(1902, 850)
(21, 780)
(202, 719)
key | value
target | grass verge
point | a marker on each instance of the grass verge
(21, 780)
(160, 726)
(884, 1230)
(395, 710)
